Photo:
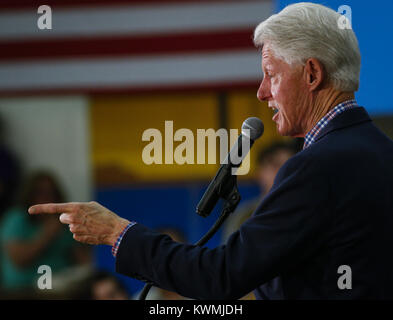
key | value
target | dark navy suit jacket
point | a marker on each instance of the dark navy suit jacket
(331, 205)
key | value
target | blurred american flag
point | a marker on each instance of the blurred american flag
(125, 46)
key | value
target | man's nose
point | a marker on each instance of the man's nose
(263, 92)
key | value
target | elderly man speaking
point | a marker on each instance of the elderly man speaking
(325, 230)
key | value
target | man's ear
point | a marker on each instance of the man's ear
(315, 73)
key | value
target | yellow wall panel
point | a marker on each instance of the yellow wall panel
(117, 125)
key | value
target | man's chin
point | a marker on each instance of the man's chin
(285, 132)
(281, 131)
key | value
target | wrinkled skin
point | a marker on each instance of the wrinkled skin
(89, 222)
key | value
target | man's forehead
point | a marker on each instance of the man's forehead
(266, 50)
(270, 59)
(267, 54)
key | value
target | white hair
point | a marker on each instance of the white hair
(308, 30)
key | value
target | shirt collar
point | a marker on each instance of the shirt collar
(312, 135)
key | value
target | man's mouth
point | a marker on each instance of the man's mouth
(275, 109)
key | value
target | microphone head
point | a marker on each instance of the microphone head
(255, 125)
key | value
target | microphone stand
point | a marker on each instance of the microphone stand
(229, 193)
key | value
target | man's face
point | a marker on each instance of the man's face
(284, 88)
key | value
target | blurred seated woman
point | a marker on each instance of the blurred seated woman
(30, 241)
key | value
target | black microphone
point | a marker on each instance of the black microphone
(252, 129)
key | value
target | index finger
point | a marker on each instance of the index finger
(53, 208)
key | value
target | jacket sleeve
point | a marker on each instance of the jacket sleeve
(287, 228)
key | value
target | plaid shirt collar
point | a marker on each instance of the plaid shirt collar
(312, 135)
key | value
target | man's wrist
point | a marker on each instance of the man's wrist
(119, 228)
(115, 247)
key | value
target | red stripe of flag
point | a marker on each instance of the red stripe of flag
(29, 4)
(126, 90)
(127, 45)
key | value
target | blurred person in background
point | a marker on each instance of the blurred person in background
(28, 242)
(9, 173)
(269, 161)
(9, 176)
(102, 285)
